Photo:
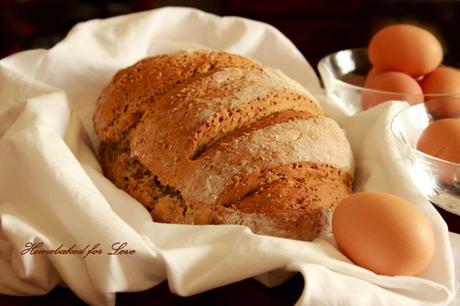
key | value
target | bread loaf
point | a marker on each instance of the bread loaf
(209, 137)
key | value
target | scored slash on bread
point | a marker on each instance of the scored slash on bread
(210, 137)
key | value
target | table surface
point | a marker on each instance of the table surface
(248, 292)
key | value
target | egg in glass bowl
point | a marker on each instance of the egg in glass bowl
(429, 145)
(402, 62)
(344, 75)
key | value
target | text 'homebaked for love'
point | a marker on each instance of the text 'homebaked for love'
(117, 248)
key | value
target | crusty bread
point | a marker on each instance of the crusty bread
(209, 137)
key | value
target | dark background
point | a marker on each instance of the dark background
(317, 27)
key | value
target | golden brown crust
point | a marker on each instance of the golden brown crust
(212, 138)
(123, 101)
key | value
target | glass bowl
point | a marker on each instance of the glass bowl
(343, 74)
(437, 179)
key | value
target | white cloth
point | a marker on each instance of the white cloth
(52, 189)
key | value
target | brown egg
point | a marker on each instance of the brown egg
(402, 86)
(443, 107)
(405, 48)
(442, 80)
(383, 233)
(441, 139)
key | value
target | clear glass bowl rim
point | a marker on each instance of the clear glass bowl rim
(417, 153)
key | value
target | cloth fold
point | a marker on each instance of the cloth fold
(53, 192)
